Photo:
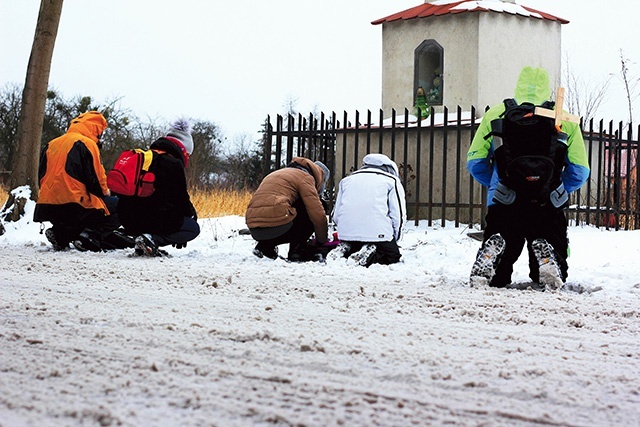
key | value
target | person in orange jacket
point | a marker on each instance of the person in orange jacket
(74, 195)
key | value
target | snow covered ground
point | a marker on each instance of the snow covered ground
(213, 336)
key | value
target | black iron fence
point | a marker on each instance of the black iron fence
(431, 155)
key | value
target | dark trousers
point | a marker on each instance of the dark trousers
(68, 231)
(524, 224)
(386, 252)
(296, 235)
(187, 232)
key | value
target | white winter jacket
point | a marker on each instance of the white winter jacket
(371, 206)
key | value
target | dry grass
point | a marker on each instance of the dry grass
(214, 203)
(208, 204)
(4, 195)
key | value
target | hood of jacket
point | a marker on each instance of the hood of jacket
(315, 170)
(533, 86)
(90, 124)
(382, 162)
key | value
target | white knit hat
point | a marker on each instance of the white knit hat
(181, 130)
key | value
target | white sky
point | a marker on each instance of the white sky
(234, 62)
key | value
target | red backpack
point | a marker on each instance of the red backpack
(130, 175)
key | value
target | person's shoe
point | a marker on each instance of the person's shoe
(338, 252)
(51, 237)
(364, 256)
(85, 242)
(550, 274)
(484, 266)
(146, 246)
(262, 251)
(117, 239)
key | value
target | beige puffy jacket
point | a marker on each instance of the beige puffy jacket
(272, 203)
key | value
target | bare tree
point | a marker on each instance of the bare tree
(34, 95)
(630, 84)
(583, 98)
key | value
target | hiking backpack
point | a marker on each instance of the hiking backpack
(130, 175)
(529, 153)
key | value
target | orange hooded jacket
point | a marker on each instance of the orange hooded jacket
(71, 171)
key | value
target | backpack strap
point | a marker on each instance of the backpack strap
(148, 158)
(509, 103)
(548, 105)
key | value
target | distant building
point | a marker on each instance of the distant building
(465, 52)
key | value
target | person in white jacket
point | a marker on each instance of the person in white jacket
(370, 213)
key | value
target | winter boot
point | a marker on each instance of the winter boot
(85, 242)
(145, 246)
(55, 242)
(550, 274)
(117, 239)
(339, 252)
(88, 240)
(261, 250)
(364, 256)
(299, 252)
(486, 261)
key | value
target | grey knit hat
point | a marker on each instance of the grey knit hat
(325, 175)
(181, 130)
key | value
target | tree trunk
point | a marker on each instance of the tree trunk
(34, 96)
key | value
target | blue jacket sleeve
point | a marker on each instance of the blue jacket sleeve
(576, 171)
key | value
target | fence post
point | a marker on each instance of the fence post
(458, 165)
(418, 156)
(471, 180)
(445, 149)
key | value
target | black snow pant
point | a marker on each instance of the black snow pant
(386, 252)
(297, 234)
(524, 224)
(68, 229)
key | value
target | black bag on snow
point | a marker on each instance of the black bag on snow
(530, 154)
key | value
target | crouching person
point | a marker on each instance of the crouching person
(166, 217)
(74, 195)
(287, 208)
(370, 213)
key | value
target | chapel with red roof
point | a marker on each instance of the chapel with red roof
(466, 53)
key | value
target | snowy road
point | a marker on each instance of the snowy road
(216, 337)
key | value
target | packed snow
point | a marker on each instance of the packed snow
(213, 336)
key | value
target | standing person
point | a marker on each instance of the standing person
(166, 217)
(287, 208)
(370, 213)
(529, 167)
(74, 195)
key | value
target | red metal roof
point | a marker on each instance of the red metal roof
(443, 7)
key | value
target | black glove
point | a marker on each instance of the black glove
(180, 245)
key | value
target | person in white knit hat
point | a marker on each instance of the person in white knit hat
(166, 217)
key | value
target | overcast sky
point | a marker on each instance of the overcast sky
(234, 62)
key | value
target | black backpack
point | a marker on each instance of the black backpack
(529, 153)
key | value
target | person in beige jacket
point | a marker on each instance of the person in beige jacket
(287, 208)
